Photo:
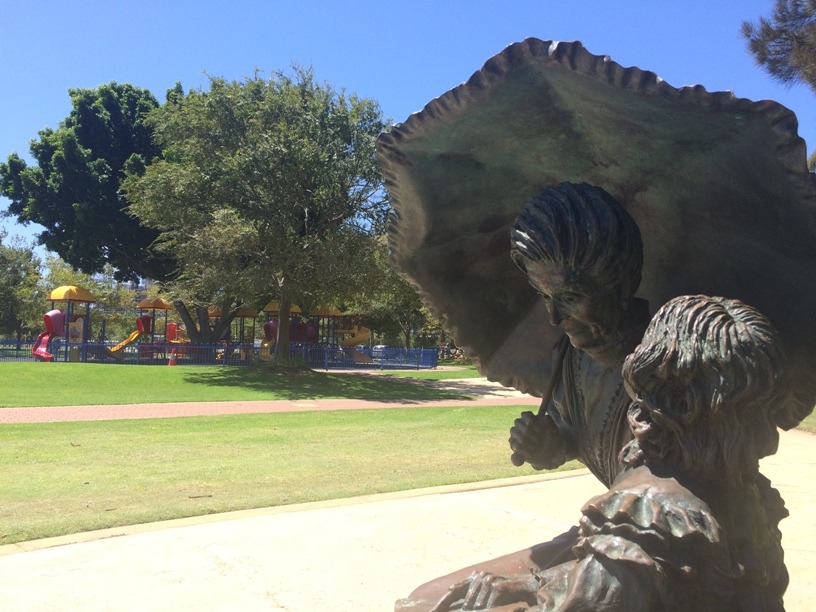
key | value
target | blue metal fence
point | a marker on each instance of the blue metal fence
(316, 357)
(334, 357)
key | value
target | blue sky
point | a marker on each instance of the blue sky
(402, 54)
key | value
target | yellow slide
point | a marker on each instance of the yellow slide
(114, 352)
(354, 336)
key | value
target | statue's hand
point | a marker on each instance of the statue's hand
(537, 440)
(483, 591)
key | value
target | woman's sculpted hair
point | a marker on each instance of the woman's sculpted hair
(580, 227)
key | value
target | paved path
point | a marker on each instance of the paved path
(486, 393)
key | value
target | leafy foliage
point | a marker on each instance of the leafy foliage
(785, 44)
(393, 308)
(268, 189)
(73, 191)
(19, 299)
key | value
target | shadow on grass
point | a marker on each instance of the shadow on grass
(319, 385)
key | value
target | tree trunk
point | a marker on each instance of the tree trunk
(282, 341)
(407, 331)
(204, 331)
(225, 320)
(192, 329)
(199, 331)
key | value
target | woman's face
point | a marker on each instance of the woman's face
(589, 313)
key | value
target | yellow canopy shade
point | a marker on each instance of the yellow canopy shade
(71, 293)
(155, 303)
(274, 306)
(325, 311)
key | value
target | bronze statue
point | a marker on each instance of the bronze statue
(583, 253)
(717, 185)
(690, 524)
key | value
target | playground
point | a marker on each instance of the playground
(324, 338)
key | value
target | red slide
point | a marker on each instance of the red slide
(40, 349)
(54, 325)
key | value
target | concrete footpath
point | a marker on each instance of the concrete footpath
(357, 554)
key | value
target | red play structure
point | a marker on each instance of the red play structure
(54, 325)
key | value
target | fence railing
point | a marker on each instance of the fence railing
(224, 354)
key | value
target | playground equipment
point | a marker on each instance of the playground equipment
(76, 332)
(176, 334)
(304, 333)
(143, 327)
(240, 336)
(325, 327)
(152, 305)
(351, 335)
(54, 325)
(271, 329)
(266, 353)
(354, 337)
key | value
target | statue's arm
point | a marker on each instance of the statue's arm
(542, 442)
(486, 591)
(546, 440)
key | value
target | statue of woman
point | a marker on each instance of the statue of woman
(583, 253)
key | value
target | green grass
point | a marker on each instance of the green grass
(61, 478)
(61, 384)
(460, 372)
(809, 423)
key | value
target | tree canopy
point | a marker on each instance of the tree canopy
(785, 43)
(392, 306)
(20, 303)
(73, 190)
(268, 188)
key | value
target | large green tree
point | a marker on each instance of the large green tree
(73, 190)
(268, 188)
(785, 43)
(20, 302)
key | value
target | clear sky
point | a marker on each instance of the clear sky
(402, 54)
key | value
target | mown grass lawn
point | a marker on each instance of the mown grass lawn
(61, 478)
(809, 424)
(467, 371)
(63, 384)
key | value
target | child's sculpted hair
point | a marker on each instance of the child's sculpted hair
(708, 379)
